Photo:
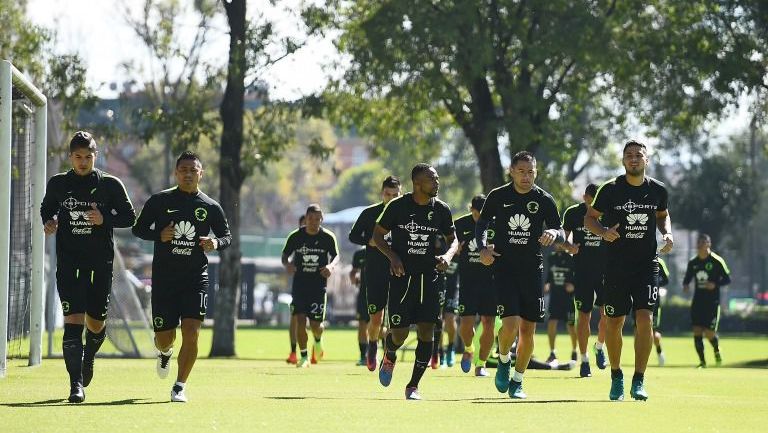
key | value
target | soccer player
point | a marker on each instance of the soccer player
(377, 276)
(521, 210)
(293, 324)
(310, 254)
(710, 272)
(633, 206)
(450, 308)
(357, 277)
(560, 287)
(589, 272)
(477, 296)
(414, 220)
(83, 206)
(179, 220)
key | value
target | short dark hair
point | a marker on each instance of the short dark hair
(82, 140)
(301, 220)
(314, 207)
(478, 201)
(419, 168)
(704, 236)
(634, 143)
(591, 190)
(523, 155)
(188, 155)
(390, 182)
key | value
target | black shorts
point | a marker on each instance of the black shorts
(477, 296)
(413, 299)
(309, 301)
(174, 299)
(589, 289)
(362, 308)
(561, 305)
(84, 288)
(519, 289)
(376, 288)
(631, 287)
(705, 313)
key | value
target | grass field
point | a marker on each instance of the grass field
(259, 392)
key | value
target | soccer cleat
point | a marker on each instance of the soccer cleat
(76, 393)
(516, 390)
(370, 359)
(501, 380)
(303, 363)
(662, 359)
(178, 395)
(87, 371)
(412, 393)
(450, 358)
(637, 391)
(292, 359)
(361, 362)
(481, 372)
(552, 358)
(718, 359)
(466, 361)
(386, 367)
(567, 366)
(584, 370)
(434, 362)
(617, 389)
(164, 364)
(702, 365)
(317, 352)
(600, 359)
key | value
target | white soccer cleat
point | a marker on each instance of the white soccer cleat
(177, 394)
(662, 359)
(164, 364)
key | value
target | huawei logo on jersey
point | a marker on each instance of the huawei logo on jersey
(310, 258)
(184, 229)
(520, 222)
(637, 218)
(473, 245)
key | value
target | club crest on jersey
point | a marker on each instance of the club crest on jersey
(532, 207)
(429, 215)
(395, 319)
(609, 310)
(201, 214)
(708, 266)
(65, 306)
(158, 322)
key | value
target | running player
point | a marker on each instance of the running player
(293, 324)
(633, 206)
(415, 220)
(310, 254)
(710, 272)
(83, 206)
(377, 278)
(589, 272)
(477, 296)
(521, 210)
(179, 220)
(559, 285)
(357, 278)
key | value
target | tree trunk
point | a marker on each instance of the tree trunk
(231, 176)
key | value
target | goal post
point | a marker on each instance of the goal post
(14, 83)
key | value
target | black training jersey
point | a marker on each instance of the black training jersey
(362, 232)
(591, 247)
(68, 196)
(469, 259)
(711, 269)
(663, 273)
(192, 215)
(560, 269)
(520, 219)
(310, 254)
(634, 209)
(358, 262)
(414, 229)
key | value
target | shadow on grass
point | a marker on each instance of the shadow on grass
(475, 400)
(757, 363)
(64, 402)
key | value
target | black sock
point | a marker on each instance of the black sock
(449, 347)
(423, 350)
(617, 374)
(658, 349)
(638, 376)
(72, 346)
(391, 348)
(293, 347)
(303, 353)
(715, 341)
(93, 343)
(436, 343)
(698, 343)
(363, 349)
(317, 339)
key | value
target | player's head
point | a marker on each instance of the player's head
(635, 158)
(390, 189)
(314, 217)
(82, 152)
(523, 170)
(703, 242)
(589, 193)
(476, 205)
(425, 179)
(302, 220)
(189, 171)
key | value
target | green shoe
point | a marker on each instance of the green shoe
(502, 376)
(617, 389)
(516, 390)
(718, 359)
(303, 363)
(637, 391)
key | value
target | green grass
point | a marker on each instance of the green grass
(259, 392)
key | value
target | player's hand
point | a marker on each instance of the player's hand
(50, 227)
(94, 215)
(325, 271)
(461, 247)
(396, 267)
(488, 255)
(354, 280)
(572, 248)
(548, 237)
(546, 287)
(686, 288)
(710, 285)
(611, 234)
(290, 267)
(167, 233)
(208, 244)
(442, 264)
(668, 243)
(569, 288)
